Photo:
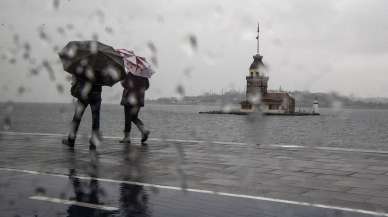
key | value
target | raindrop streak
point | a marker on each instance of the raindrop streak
(49, 69)
(179, 164)
(190, 44)
(154, 50)
(152, 47)
(154, 60)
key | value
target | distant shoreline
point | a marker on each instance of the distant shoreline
(304, 99)
(2, 103)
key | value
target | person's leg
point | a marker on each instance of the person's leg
(140, 125)
(127, 125)
(95, 107)
(135, 118)
(80, 107)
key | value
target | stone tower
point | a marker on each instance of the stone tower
(257, 81)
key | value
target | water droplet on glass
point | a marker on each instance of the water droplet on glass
(89, 73)
(46, 65)
(100, 16)
(43, 35)
(193, 41)
(111, 72)
(40, 191)
(95, 37)
(154, 60)
(60, 88)
(12, 60)
(16, 39)
(86, 90)
(190, 44)
(69, 26)
(56, 4)
(109, 30)
(93, 47)
(132, 99)
(181, 92)
(72, 51)
(7, 123)
(34, 71)
(21, 90)
(8, 110)
(336, 105)
(227, 108)
(61, 31)
(152, 47)
(187, 71)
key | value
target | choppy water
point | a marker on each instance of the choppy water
(338, 128)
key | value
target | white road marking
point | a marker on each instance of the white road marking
(288, 146)
(260, 198)
(285, 146)
(72, 202)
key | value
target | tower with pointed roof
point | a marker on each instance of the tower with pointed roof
(257, 93)
(257, 81)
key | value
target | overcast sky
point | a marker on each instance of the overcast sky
(320, 46)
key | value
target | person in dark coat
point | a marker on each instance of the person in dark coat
(86, 94)
(132, 100)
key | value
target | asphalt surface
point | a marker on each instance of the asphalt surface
(40, 177)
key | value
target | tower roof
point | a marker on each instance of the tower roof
(257, 62)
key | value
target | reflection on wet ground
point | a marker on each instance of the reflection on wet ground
(39, 177)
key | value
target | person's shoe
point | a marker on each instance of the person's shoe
(127, 138)
(69, 142)
(95, 140)
(145, 135)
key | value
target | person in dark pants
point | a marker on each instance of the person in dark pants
(133, 100)
(86, 94)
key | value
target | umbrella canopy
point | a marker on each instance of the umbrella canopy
(93, 61)
(136, 65)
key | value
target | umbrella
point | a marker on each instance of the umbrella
(93, 61)
(136, 65)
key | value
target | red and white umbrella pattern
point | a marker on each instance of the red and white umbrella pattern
(136, 65)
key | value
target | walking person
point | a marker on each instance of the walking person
(86, 94)
(132, 100)
(92, 65)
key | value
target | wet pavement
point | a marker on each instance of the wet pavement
(40, 177)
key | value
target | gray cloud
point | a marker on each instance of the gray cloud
(335, 45)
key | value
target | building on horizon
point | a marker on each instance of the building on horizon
(258, 97)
